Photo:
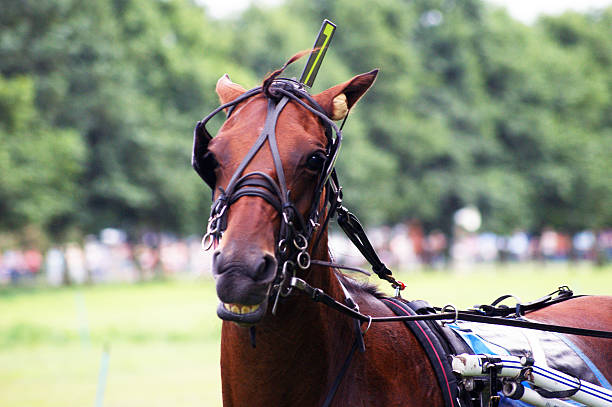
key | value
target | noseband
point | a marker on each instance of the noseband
(295, 230)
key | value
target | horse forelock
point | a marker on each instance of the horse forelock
(274, 74)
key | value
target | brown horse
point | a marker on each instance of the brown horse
(301, 349)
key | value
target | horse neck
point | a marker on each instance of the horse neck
(303, 340)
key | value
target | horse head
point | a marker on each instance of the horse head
(269, 167)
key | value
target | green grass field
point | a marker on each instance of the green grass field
(163, 337)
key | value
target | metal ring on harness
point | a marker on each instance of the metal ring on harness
(282, 246)
(314, 224)
(447, 308)
(296, 241)
(288, 267)
(207, 241)
(303, 260)
(286, 219)
(369, 324)
(212, 227)
(221, 211)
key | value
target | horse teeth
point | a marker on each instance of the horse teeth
(240, 309)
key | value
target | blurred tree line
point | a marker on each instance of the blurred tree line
(98, 100)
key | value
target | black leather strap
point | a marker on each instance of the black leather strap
(320, 296)
(341, 374)
(355, 232)
(557, 394)
(563, 293)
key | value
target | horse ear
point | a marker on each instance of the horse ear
(228, 90)
(338, 100)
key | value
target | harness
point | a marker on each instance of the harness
(440, 344)
(297, 233)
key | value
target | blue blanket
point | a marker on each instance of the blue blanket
(546, 348)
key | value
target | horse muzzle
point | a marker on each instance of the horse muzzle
(243, 282)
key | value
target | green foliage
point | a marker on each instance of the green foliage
(129, 77)
(40, 164)
(471, 107)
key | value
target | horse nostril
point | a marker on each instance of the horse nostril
(266, 268)
(217, 267)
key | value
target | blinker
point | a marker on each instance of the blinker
(201, 159)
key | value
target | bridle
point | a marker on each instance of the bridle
(296, 232)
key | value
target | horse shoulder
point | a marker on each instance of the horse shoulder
(395, 365)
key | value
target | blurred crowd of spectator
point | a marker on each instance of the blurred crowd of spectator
(111, 258)
(408, 246)
(107, 258)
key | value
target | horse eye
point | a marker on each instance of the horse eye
(315, 162)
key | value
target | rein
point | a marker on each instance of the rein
(318, 295)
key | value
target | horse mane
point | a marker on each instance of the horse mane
(361, 286)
